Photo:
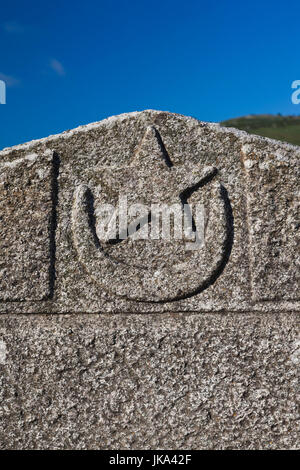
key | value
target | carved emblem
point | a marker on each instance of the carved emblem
(138, 263)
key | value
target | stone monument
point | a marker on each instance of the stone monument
(119, 331)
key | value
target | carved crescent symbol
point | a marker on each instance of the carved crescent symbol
(128, 280)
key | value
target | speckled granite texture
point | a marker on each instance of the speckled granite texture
(143, 344)
(149, 382)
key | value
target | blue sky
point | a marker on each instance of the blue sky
(68, 63)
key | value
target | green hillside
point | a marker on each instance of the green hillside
(285, 128)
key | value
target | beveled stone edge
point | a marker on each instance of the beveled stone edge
(121, 117)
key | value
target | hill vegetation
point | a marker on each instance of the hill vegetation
(285, 128)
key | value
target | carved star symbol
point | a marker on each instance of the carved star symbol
(151, 177)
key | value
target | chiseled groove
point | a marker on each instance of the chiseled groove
(53, 223)
(227, 246)
(163, 149)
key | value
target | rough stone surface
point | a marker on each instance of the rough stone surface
(251, 255)
(149, 382)
(25, 228)
(142, 343)
(274, 213)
